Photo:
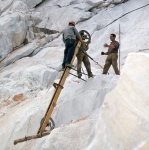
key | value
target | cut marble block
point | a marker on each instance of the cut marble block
(123, 119)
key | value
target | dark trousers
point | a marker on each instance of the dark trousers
(70, 45)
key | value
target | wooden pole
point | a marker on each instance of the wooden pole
(52, 104)
(57, 93)
(119, 46)
(49, 111)
(40, 135)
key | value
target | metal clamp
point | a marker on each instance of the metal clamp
(57, 85)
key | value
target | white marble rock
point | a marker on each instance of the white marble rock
(123, 118)
(108, 111)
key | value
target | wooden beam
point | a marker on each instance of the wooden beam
(40, 135)
(57, 93)
(52, 104)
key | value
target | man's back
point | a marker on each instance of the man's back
(70, 32)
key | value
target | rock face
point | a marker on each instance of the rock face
(13, 31)
(4, 5)
(59, 22)
(15, 26)
(32, 3)
(19, 6)
(109, 112)
(18, 54)
(123, 119)
(22, 77)
(69, 108)
(124, 109)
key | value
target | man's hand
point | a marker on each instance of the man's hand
(89, 42)
(106, 45)
(102, 53)
(81, 41)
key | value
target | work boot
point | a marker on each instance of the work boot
(90, 75)
(63, 69)
(69, 65)
(79, 75)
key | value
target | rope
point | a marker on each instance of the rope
(125, 15)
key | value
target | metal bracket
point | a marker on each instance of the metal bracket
(57, 85)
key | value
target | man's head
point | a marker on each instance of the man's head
(82, 35)
(112, 37)
(71, 23)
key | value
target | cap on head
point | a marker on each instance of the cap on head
(72, 22)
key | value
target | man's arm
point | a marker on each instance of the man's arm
(104, 53)
(106, 45)
(110, 46)
(87, 45)
(113, 45)
(63, 38)
(78, 35)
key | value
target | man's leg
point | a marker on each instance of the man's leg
(71, 49)
(114, 63)
(65, 54)
(107, 64)
(64, 59)
(87, 66)
(80, 56)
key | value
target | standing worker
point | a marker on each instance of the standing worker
(112, 55)
(82, 57)
(70, 34)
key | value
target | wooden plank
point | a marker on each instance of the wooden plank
(57, 93)
(40, 135)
